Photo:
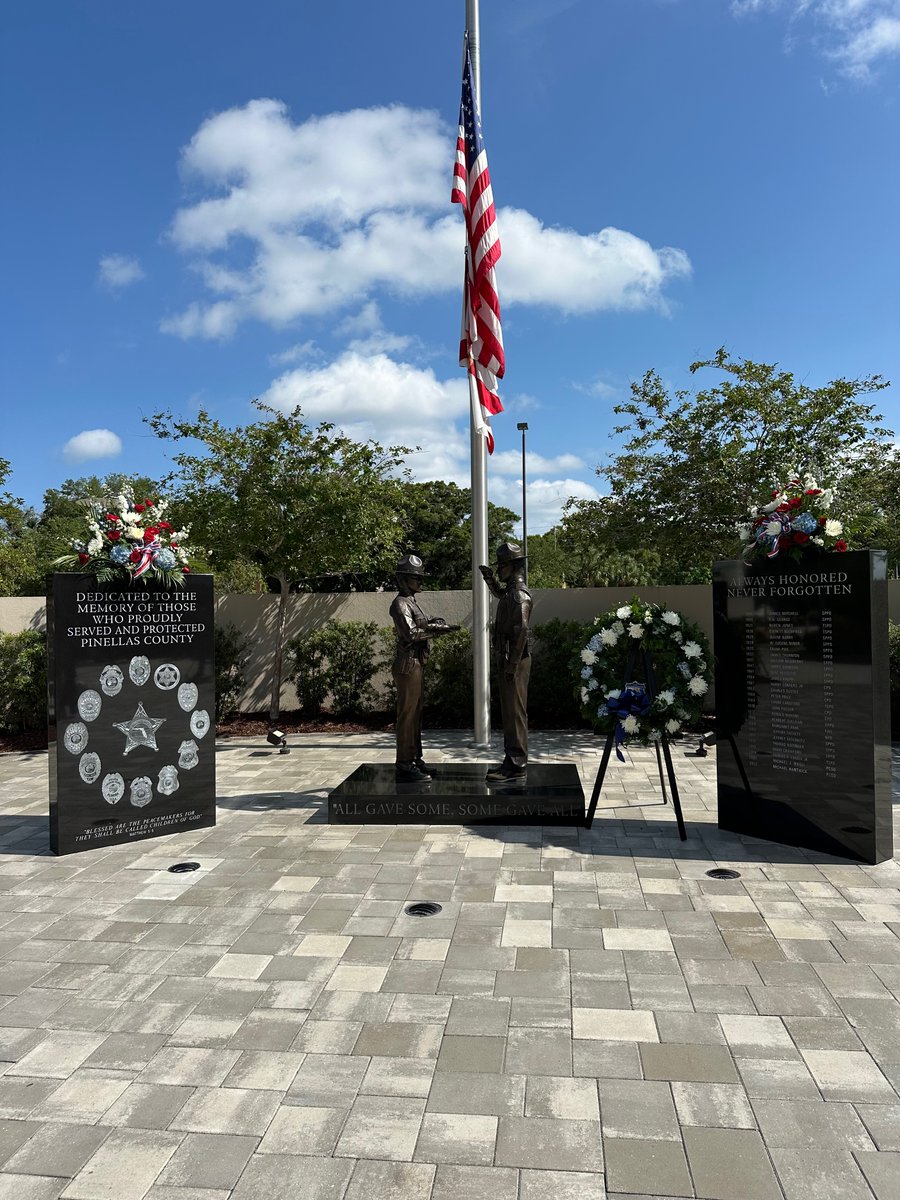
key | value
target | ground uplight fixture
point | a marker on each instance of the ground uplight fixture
(275, 737)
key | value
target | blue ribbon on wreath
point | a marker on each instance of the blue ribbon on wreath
(632, 702)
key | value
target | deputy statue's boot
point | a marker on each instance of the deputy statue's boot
(408, 772)
(505, 772)
(423, 766)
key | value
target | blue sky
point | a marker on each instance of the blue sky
(209, 202)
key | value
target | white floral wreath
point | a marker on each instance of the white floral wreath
(680, 656)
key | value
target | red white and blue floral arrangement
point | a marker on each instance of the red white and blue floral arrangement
(794, 520)
(129, 540)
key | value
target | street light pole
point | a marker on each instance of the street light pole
(522, 427)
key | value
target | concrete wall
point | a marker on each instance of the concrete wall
(256, 617)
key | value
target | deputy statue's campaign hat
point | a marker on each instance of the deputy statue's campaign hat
(410, 564)
(509, 552)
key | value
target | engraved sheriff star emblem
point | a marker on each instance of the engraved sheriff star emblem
(140, 730)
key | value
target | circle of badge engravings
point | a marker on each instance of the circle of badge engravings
(140, 731)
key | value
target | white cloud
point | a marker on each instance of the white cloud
(509, 462)
(295, 353)
(92, 443)
(119, 270)
(545, 498)
(396, 403)
(340, 207)
(857, 34)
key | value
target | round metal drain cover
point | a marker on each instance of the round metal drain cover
(424, 908)
(180, 868)
(723, 873)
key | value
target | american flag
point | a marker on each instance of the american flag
(481, 341)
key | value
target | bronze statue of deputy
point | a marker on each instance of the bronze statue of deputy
(414, 632)
(513, 658)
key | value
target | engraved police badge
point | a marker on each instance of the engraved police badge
(139, 669)
(75, 738)
(89, 705)
(113, 788)
(166, 676)
(89, 767)
(188, 696)
(199, 722)
(188, 756)
(168, 781)
(111, 678)
(141, 791)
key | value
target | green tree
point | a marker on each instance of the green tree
(301, 503)
(693, 463)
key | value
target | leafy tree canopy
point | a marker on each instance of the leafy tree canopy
(297, 502)
(693, 463)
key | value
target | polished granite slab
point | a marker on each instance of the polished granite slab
(550, 794)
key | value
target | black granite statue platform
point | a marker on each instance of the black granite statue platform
(802, 702)
(551, 794)
(131, 710)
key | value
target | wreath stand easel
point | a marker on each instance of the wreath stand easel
(663, 743)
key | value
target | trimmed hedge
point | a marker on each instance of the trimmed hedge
(23, 681)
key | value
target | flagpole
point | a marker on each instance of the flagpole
(478, 451)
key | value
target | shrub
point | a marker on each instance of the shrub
(23, 681)
(338, 662)
(231, 656)
(449, 691)
(552, 691)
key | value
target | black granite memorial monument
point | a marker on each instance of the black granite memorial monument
(459, 795)
(802, 702)
(131, 710)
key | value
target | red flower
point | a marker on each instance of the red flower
(800, 539)
(150, 533)
(149, 503)
(174, 545)
(164, 525)
(783, 540)
(774, 494)
(111, 517)
(114, 534)
(134, 556)
(823, 520)
(186, 570)
(813, 492)
(83, 558)
(840, 546)
(139, 508)
(796, 502)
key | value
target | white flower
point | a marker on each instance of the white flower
(121, 503)
(666, 698)
(833, 528)
(817, 541)
(672, 726)
(671, 618)
(588, 657)
(653, 735)
(609, 637)
(809, 481)
(614, 694)
(767, 508)
(134, 533)
(630, 723)
(743, 532)
(648, 617)
(624, 611)
(584, 695)
(636, 631)
(691, 650)
(131, 518)
(592, 685)
(678, 637)
(697, 685)
(95, 545)
(773, 528)
(617, 627)
(826, 498)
